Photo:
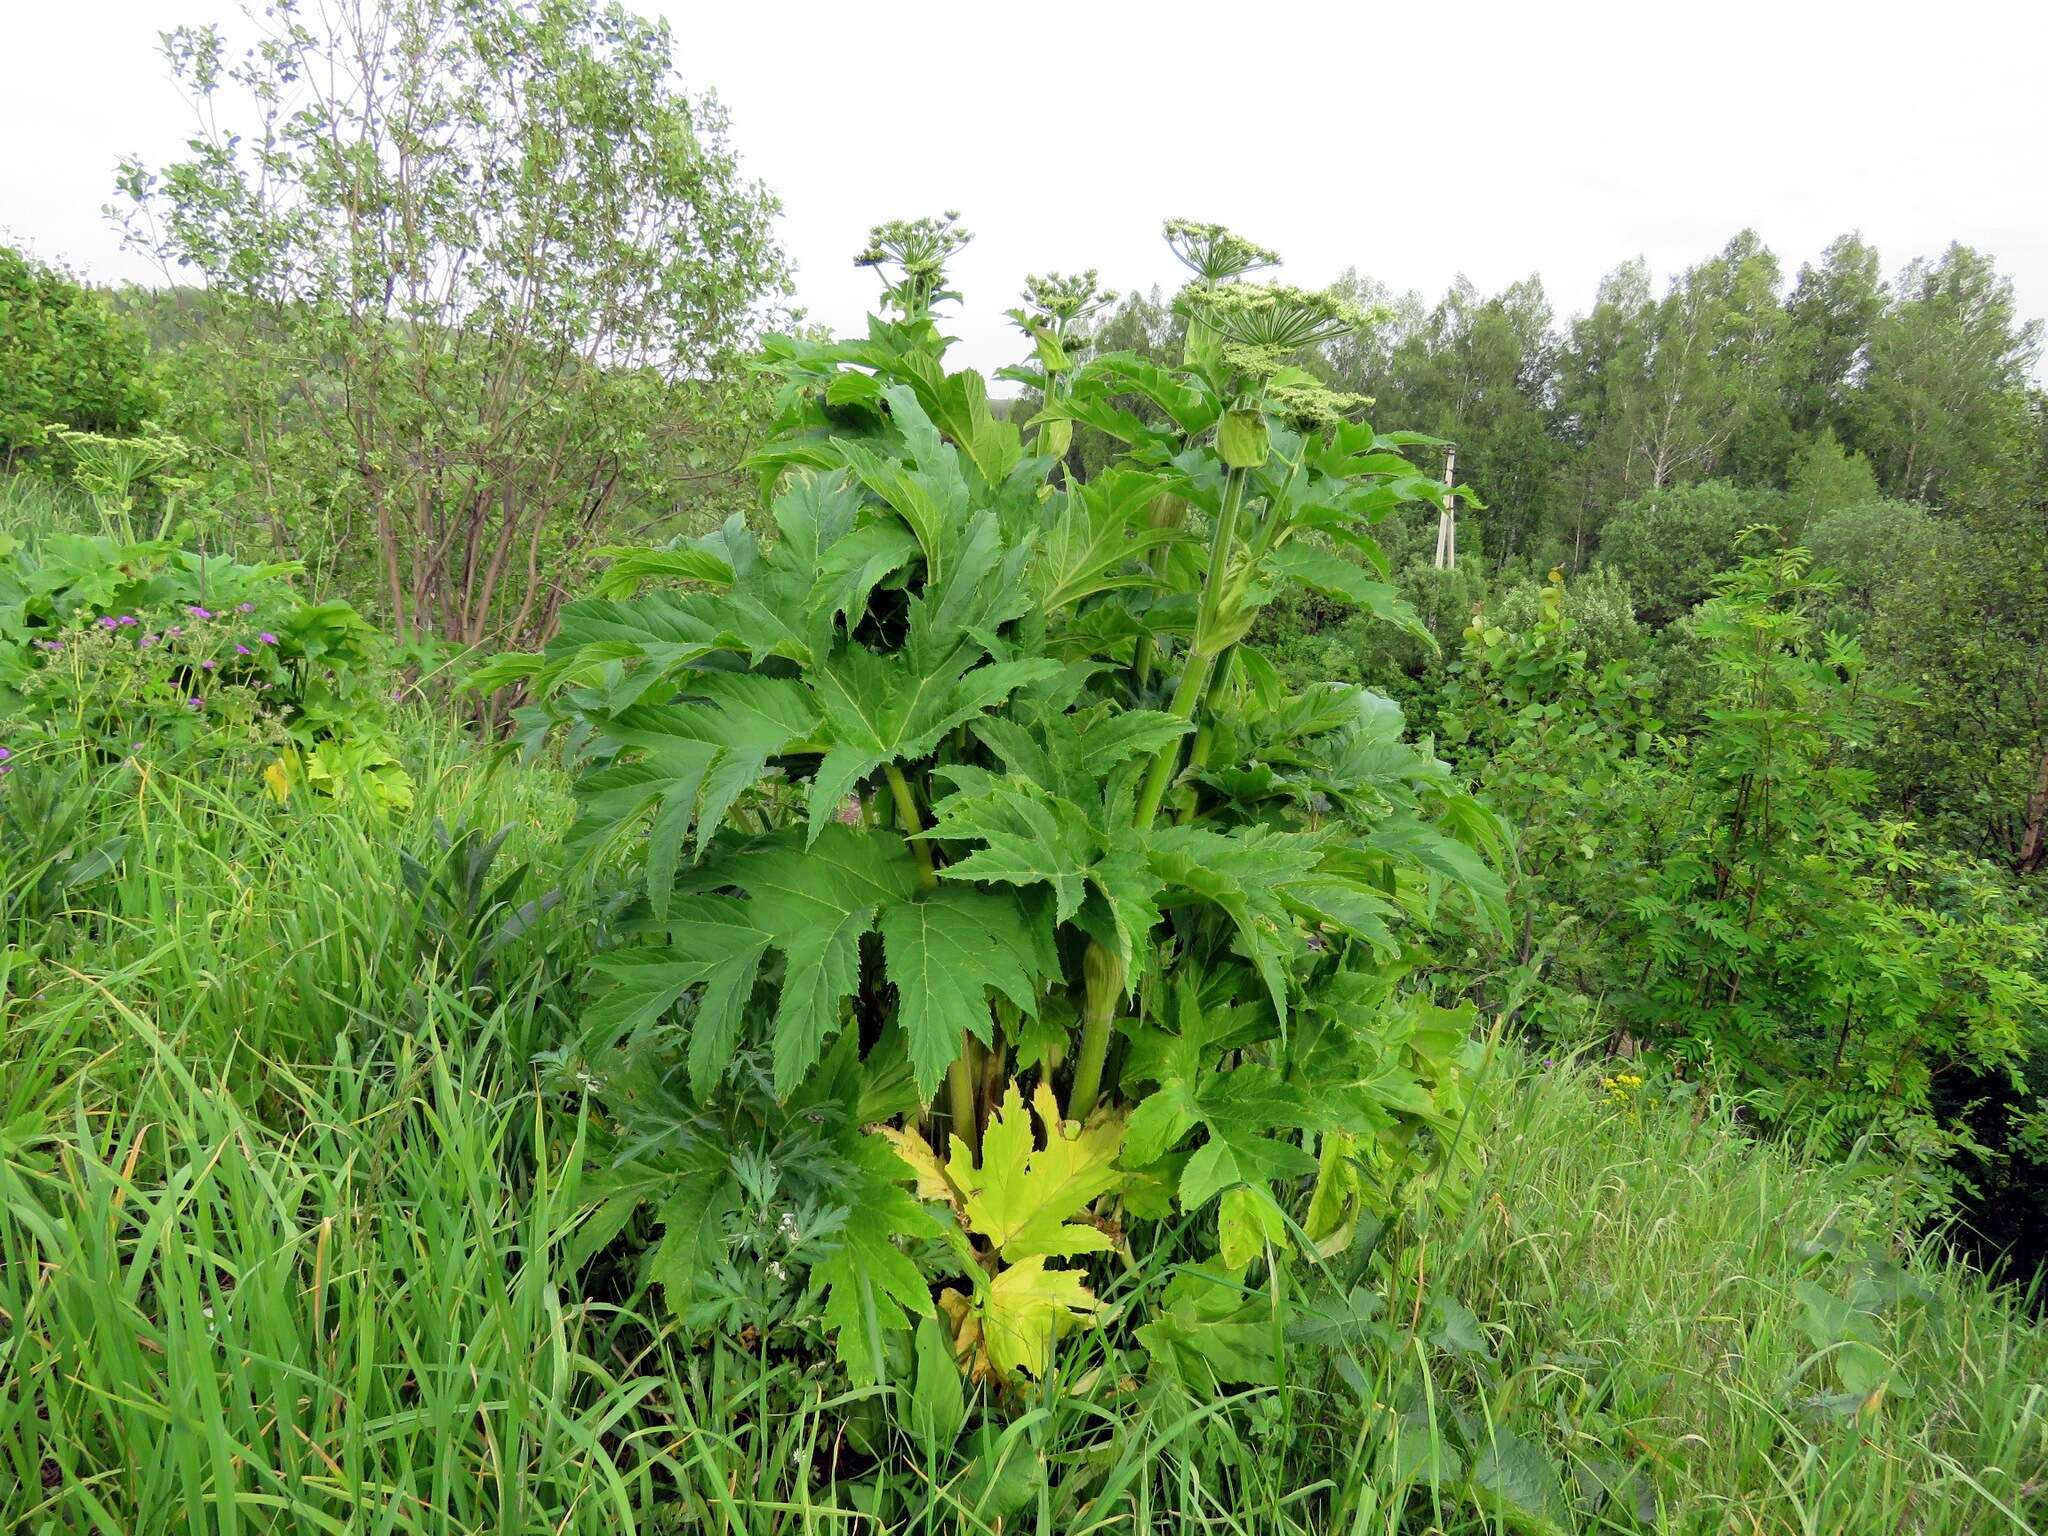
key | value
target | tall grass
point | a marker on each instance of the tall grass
(1638, 1269)
(32, 507)
(291, 1238)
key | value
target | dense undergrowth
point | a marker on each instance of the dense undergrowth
(335, 1196)
(1053, 971)
(291, 1236)
(299, 1231)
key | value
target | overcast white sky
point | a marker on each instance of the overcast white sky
(1414, 142)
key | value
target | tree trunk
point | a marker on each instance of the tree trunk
(2034, 841)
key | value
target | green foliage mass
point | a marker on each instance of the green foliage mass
(1732, 896)
(1790, 937)
(274, 1145)
(116, 650)
(67, 358)
(971, 773)
(477, 286)
(1674, 543)
(1024, 1006)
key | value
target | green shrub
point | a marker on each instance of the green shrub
(1825, 480)
(1867, 546)
(1313, 639)
(1599, 607)
(1728, 895)
(66, 357)
(1559, 746)
(1786, 940)
(524, 308)
(1673, 543)
(146, 648)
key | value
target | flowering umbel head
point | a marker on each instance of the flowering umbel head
(1061, 304)
(1275, 316)
(1264, 327)
(1213, 253)
(918, 250)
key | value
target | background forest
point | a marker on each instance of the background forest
(1311, 910)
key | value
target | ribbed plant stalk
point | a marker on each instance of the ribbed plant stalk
(1194, 680)
(1102, 977)
(1169, 511)
(1102, 971)
(1194, 677)
(962, 1077)
(1205, 732)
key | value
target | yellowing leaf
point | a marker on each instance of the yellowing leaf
(932, 1183)
(1018, 1201)
(1022, 1194)
(1247, 1219)
(1028, 1307)
(1013, 1321)
(278, 779)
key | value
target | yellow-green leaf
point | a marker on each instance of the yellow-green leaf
(1021, 1195)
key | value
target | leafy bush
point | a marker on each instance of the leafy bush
(1314, 639)
(1776, 933)
(66, 358)
(1728, 896)
(1560, 746)
(1868, 546)
(1598, 607)
(476, 308)
(1824, 480)
(970, 778)
(1963, 624)
(125, 648)
(1673, 543)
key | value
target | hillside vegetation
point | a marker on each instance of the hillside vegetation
(615, 915)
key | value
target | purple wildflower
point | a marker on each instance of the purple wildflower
(53, 645)
(128, 621)
(243, 650)
(198, 612)
(175, 629)
(108, 621)
(267, 638)
(245, 607)
(208, 663)
(197, 703)
(146, 641)
(5, 754)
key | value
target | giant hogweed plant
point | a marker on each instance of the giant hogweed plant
(963, 792)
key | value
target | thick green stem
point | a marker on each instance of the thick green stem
(1103, 975)
(1141, 661)
(1104, 972)
(1167, 512)
(1222, 540)
(1205, 733)
(913, 826)
(1194, 677)
(962, 1095)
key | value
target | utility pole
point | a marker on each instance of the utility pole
(1447, 520)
